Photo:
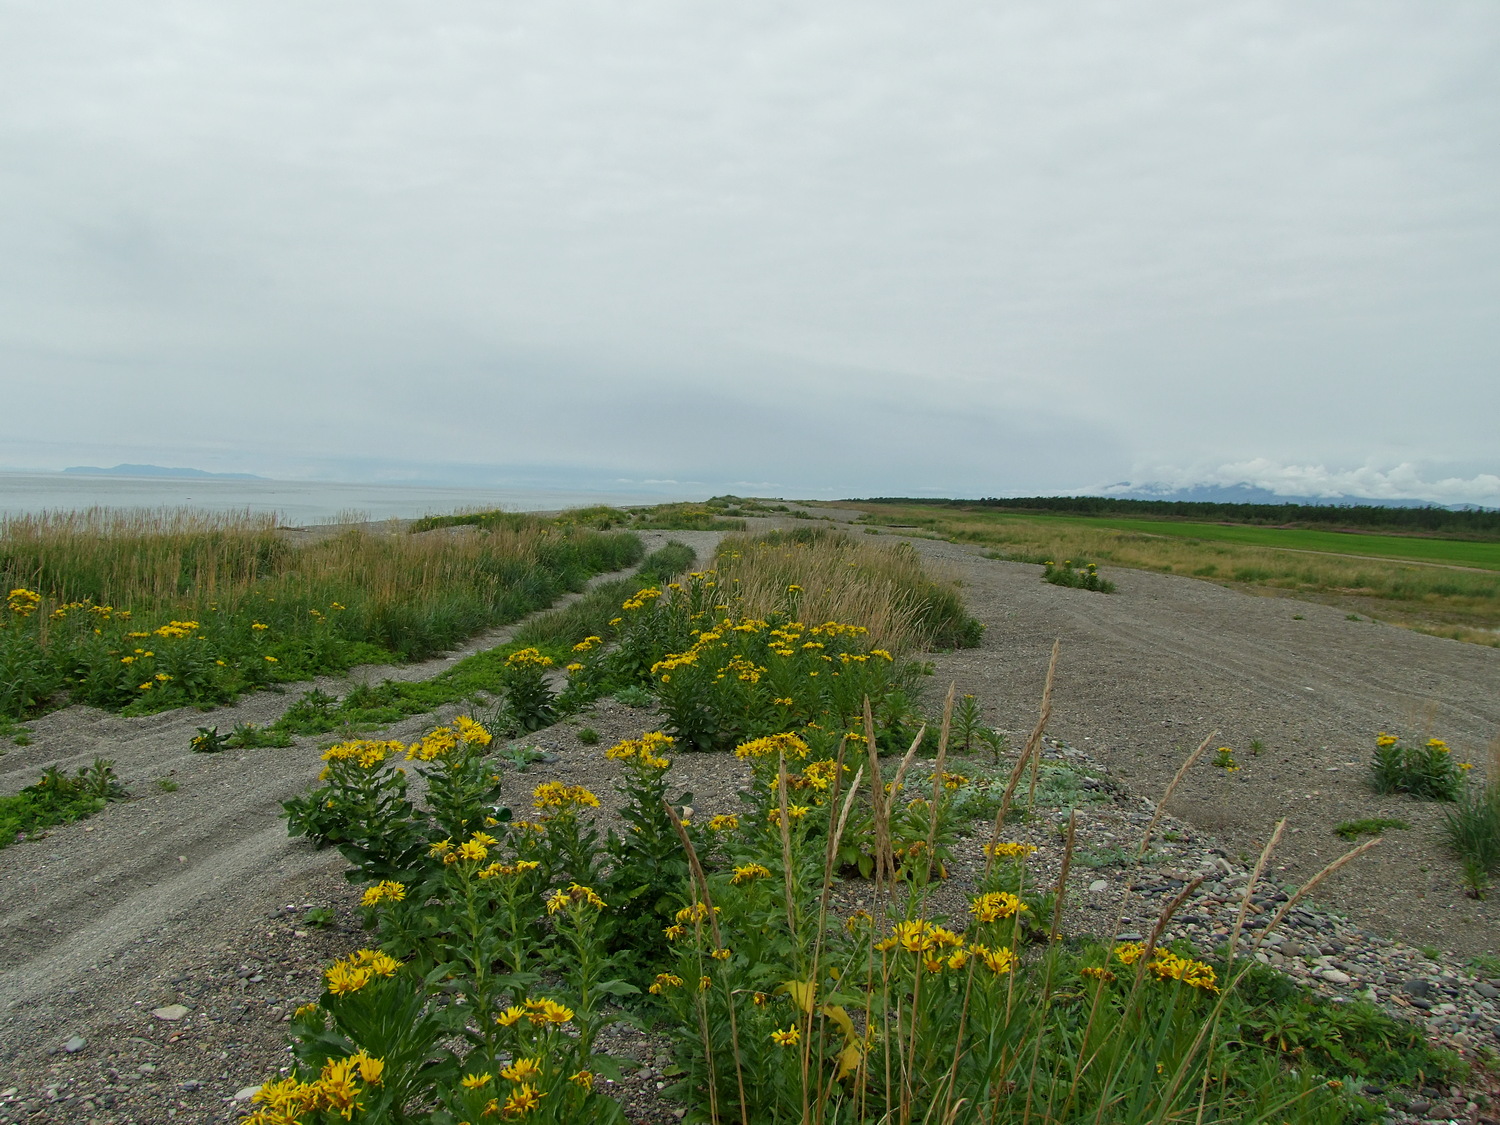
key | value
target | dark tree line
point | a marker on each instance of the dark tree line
(1432, 520)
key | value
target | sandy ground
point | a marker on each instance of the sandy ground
(195, 896)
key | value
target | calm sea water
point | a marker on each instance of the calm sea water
(298, 502)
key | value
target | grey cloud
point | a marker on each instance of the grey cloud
(974, 250)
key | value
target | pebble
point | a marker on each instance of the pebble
(171, 1013)
(1099, 885)
(75, 1044)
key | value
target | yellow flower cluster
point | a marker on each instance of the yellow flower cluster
(496, 870)
(335, 1090)
(1166, 965)
(919, 936)
(556, 795)
(665, 981)
(522, 1070)
(587, 643)
(788, 1038)
(462, 731)
(771, 746)
(697, 912)
(998, 961)
(724, 822)
(996, 905)
(648, 750)
(576, 892)
(1383, 740)
(23, 602)
(537, 1012)
(176, 630)
(750, 872)
(528, 658)
(387, 890)
(1008, 850)
(352, 973)
(641, 598)
(362, 752)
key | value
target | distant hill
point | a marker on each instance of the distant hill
(156, 471)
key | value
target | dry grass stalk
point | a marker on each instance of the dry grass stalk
(1062, 876)
(1306, 888)
(1034, 743)
(1172, 788)
(1033, 746)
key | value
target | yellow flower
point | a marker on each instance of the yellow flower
(511, 1016)
(1098, 974)
(258, 627)
(720, 954)
(472, 850)
(522, 1101)
(547, 1011)
(703, 983)
(749, 873)
(663, 982)
(998, 961)
(788, 1038)
(674, 932)
(771, 746)
(522, 1070)
(387, 890)
(584, 1078)
(556, 795)
(528, 658)
(306, 1012)
(995, 905)
(724, 822)
(371, 1070)
(1009, 850)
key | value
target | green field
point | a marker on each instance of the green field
(1443, 552)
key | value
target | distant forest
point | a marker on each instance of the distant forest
(1465, 524)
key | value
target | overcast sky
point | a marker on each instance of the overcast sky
(802, 249)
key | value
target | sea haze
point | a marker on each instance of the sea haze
(297, 502)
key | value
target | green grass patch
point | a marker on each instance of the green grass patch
(1369, 826)
(58, 798)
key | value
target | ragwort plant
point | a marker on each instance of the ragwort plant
(1426, 771)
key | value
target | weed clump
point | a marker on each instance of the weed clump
(1079, 576)
(1427, 771)
(58, 798)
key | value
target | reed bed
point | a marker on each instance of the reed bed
(159, 608)
(835, 577)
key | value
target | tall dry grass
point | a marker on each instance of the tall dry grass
(906, 605)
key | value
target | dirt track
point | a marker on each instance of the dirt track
(166, 897)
